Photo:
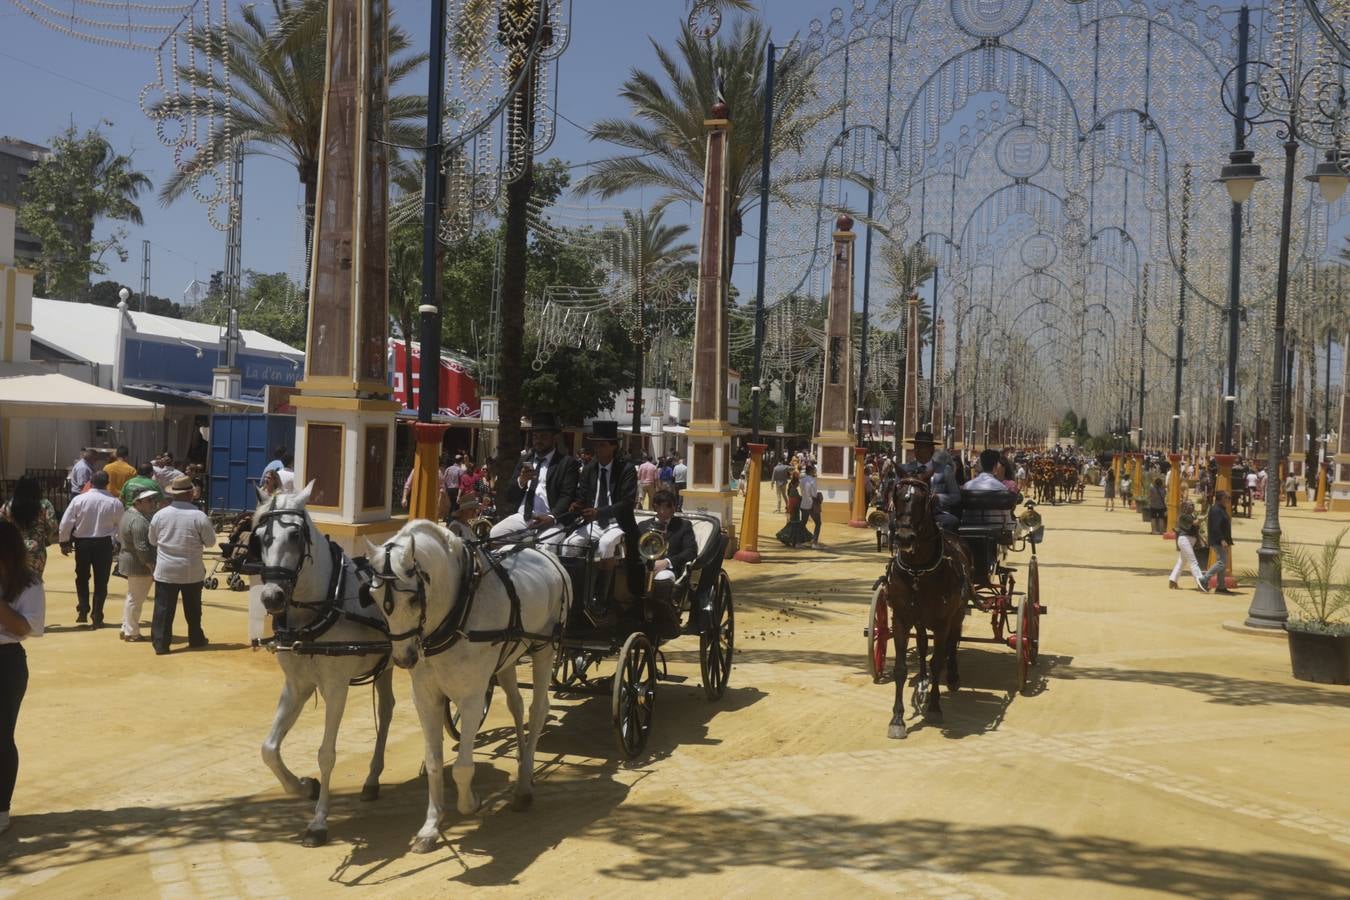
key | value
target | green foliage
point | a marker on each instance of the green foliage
(105, 293)
(579, 382)
(83, 181)
(1308, 580)
(666, 129)
(276, 65)
(269, 303)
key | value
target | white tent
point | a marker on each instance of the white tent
(55, 396)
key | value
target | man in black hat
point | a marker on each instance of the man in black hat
(940, 472)
(544, 484)
(606, 498)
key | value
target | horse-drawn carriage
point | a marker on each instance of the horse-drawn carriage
(972, 571)
(612, 625)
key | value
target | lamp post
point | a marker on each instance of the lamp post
(1303, 105)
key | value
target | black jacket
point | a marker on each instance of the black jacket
(560, 484)
(681, 548)
(623, 492)
(1220, 526)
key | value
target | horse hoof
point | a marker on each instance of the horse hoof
(934, 716)
(315, 837)
(522, 802)
(424, 845)
(897, 732)
(370, 792)
(310, 787)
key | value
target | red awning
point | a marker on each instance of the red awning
(459, 392)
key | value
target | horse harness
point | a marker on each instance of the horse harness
(452, 628)
(329, 610)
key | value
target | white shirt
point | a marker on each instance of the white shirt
(541, 483)
(807, 486)
(681, 473)
(32, 605)
(165, 476)
(93, 514)
(180, 532)
(1251, 479)
(287, 478)
(608, 472)
(985, 481)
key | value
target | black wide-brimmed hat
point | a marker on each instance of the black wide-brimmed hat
(604, 430)
(922, 437)
(544, 421)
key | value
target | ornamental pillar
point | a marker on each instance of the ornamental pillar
(909, 417)
(709, 436)
(834, 438)
(344, 416)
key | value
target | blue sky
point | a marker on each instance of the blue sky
(51, 80)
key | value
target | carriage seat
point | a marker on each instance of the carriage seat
(708, 538)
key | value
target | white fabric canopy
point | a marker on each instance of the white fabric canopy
(56, 396)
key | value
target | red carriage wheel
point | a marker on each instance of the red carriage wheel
(878, 632)
(1034, 608)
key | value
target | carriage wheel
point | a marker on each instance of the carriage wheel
(1028, 627)
(634, 696)
(878, 633)
(717, 643)
(452, 714)
(1034, 605)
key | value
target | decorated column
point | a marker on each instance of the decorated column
(709, 434)
(1298, 434)
(1174, 485)
(858, 510)
(344, 418)
(939, 393)
(833, 439)
(909, 417)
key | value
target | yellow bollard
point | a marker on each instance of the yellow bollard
(426, 480)
(859, 505)
(749, 549)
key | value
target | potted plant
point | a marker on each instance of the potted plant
(1319, 625)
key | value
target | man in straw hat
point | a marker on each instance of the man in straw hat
(544, 484)
(180, 533)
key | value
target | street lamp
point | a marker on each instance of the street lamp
(1330, 178)
(1305, 104)
(1241, 174)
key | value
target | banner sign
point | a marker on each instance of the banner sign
(459, 392)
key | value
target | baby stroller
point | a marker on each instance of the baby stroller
(233, 556)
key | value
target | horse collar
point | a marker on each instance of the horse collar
(923, 570)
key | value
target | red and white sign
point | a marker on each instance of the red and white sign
(459, 392)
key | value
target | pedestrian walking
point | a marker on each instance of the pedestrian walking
(649, 477)
(666, 473)
(1290, 490)
(82, 470)
(137, 559)
(1157, 506)
(36, 520)
(794, 532)
(23, 614)
(811, 498)
(681, 475)
(179, 532)
(1109, 489)
(1220, 528)
(780, 480)
(119, 470)
(143, 481)
(1188, 542)
(87, 528)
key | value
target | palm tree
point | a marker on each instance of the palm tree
(656, 260)
(666, 130)
(276, 67)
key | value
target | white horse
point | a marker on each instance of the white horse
(317, 590)
(456, 632)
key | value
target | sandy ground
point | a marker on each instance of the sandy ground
(1156, 754)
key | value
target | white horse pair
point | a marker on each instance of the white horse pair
(454, 632)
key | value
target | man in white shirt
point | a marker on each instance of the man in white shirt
(165, 471)
(179, 532)
(82, 471)
(286, 473)
(681, 472)
(87, 527)
(810, 508)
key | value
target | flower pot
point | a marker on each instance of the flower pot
(1323, 658)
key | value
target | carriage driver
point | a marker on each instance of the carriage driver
(681, 551)
(606, 498)
(940, 471)
(544, 484)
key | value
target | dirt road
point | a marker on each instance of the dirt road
(1157, 753)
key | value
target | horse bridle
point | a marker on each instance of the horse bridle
(288, 576)
(387, 581)
(919, 485)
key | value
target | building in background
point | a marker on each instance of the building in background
(17, 158)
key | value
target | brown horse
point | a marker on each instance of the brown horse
(927, 585)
